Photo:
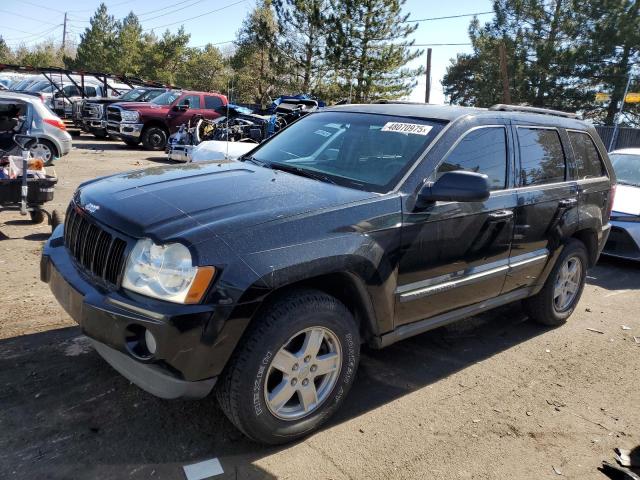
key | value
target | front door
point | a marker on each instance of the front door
(177, 117)
(456, 254)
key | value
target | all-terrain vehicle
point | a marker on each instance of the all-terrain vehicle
(261, 278)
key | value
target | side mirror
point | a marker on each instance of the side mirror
(57, 95)
(456, 186)
(181, 108)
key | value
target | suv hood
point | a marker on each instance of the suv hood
(193, 201)
(627, 199)
(143, 105)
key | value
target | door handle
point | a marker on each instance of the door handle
(501, 215)
(568, 203)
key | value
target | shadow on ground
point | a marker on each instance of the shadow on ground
(67, 414)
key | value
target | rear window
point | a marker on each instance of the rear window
(364, 151)
(542, 158)
(588, 161)
(211, 102)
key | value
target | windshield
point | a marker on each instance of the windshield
(364, 151)
(132, 94)
(167, 98)
(627, 168)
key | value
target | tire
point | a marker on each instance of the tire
(45, 150)
(37, 216)
(250, 376)
(56, 219)
(154, 138)
(100, 134)
(131, 143)
(546, 307)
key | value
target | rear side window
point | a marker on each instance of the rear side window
(192, 100)
(211, 102)
(588, 161)
(541, 156)
(483, 151)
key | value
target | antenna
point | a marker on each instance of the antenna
(229, 87)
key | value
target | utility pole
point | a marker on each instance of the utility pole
(619, 116)
(427, 92)
(64, 33)
(506, 94)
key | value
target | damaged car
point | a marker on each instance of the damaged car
(260, 279)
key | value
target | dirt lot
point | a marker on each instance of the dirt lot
(493, 397)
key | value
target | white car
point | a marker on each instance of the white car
(624, 240)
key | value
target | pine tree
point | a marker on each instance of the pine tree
(127, 50)
(205, 70)
(303, 27)
(257, 61)
(6, 55)
(368, 49)
(95, 50)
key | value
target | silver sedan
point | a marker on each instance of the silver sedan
(35, 118)
(624, 240)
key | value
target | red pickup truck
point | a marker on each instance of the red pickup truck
(151, 123)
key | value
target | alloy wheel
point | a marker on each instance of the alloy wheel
(567, 284)
(303, 373)
(43, 151)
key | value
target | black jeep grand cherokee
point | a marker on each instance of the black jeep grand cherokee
(360, 223)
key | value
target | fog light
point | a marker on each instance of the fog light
(150, 341)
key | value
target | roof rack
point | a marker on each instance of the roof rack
(501, 107)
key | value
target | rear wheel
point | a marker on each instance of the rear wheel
(37, 216)
(293, 370)
(561, 293)
(154, 138)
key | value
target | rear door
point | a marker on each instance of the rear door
(594, 184)
(547, 209)
(456, 254)
(211, 104)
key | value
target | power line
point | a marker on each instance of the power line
(197, 16)
(108, 6)
(24, 16)
(437, 44)
(41, 6)
(173, 11)
(39, 36)
(163, 8)
(448, 17)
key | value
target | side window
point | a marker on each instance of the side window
(541, 156)
(192, 100)
(484, 151)
(90, 91)
(211, 102)
(588, 159)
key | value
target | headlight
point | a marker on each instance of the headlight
(165, 272)
(130, 116)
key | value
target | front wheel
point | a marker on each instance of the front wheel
(44, 150)
(293, 370)
(558, 298)
(154, 138)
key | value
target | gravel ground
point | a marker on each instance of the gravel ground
(492, 397)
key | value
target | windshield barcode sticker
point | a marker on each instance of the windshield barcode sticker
(414, 128)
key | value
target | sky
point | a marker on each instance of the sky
(32, 21)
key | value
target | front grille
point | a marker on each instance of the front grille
(114, 114)
(92, 111)
(95, 249)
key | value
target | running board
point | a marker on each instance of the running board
(421, 326)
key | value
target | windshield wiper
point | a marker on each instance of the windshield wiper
(255, 161)
(303, 172)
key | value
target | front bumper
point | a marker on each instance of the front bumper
(124, 130)
(188, 356)
(624, 240)
(92, 124)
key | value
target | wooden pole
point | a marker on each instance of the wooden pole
(427, 92)
(506, 94)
